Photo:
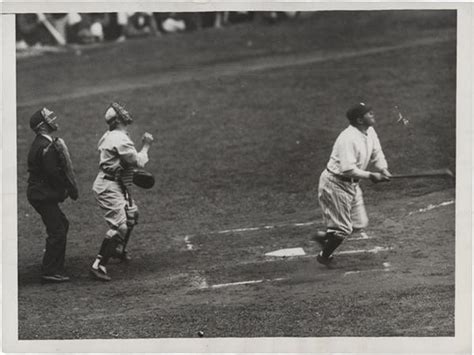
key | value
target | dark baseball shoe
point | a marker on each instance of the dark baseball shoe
(323, 260)
(321, 238)
(99, 274)
(122, 257)
(56, 278)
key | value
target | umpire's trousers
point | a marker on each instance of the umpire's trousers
(57, 226)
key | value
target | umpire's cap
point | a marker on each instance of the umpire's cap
(43, 116)
(357, 111)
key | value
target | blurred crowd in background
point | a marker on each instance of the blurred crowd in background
(85, 28)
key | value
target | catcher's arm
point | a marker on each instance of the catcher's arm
(128, 153)
(142, 156)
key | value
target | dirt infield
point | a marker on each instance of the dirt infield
(172, 292)
(244, 121)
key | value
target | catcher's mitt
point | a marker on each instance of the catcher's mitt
(143, 179)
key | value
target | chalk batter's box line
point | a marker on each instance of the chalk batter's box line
(204, 285)
(190, 246)
(305, 224)
(277, 259)
(261, 228)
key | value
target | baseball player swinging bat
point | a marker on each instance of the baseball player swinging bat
(426, 173)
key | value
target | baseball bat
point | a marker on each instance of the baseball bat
(425, 173)
(54, 32)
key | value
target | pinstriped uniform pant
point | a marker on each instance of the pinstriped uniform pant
(342, 204)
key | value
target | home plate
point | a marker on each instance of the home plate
(282, 253)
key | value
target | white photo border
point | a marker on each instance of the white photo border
(460, 343)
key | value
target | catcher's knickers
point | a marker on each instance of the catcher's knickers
(342, 204)
(111, 199)
(118, 233)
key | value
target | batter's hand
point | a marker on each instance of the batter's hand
(378, 177)
(147, 138)
(386, 173)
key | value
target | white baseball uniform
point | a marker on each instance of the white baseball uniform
(339, 193)
(117, 152)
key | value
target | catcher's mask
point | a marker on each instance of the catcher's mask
(43, 117)
(116, 112)
(143, 179)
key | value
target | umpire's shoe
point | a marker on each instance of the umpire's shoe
(56, 278)
(100, 274)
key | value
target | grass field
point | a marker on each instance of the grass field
(244, 120)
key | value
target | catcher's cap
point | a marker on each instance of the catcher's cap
(357, 111)
(43, 116)
(117, 111)
(143, 179)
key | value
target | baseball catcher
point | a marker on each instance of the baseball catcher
(339, 193)
(51, 180)
(120, 166)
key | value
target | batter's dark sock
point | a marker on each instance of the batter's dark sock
(333, 242)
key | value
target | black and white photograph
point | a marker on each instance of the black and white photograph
(296, 177)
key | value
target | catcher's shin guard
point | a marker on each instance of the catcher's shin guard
(108, 248)
(333, 241)
(121, 250)
(132, 215)
(132, 220)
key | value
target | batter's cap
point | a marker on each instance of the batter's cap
(357, 111)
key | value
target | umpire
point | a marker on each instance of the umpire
(47, 187)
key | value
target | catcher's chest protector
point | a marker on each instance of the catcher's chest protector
(127, 176)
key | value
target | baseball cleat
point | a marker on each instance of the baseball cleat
(323, 260)
(99, 274)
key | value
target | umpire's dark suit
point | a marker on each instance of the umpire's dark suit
(46, 188)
